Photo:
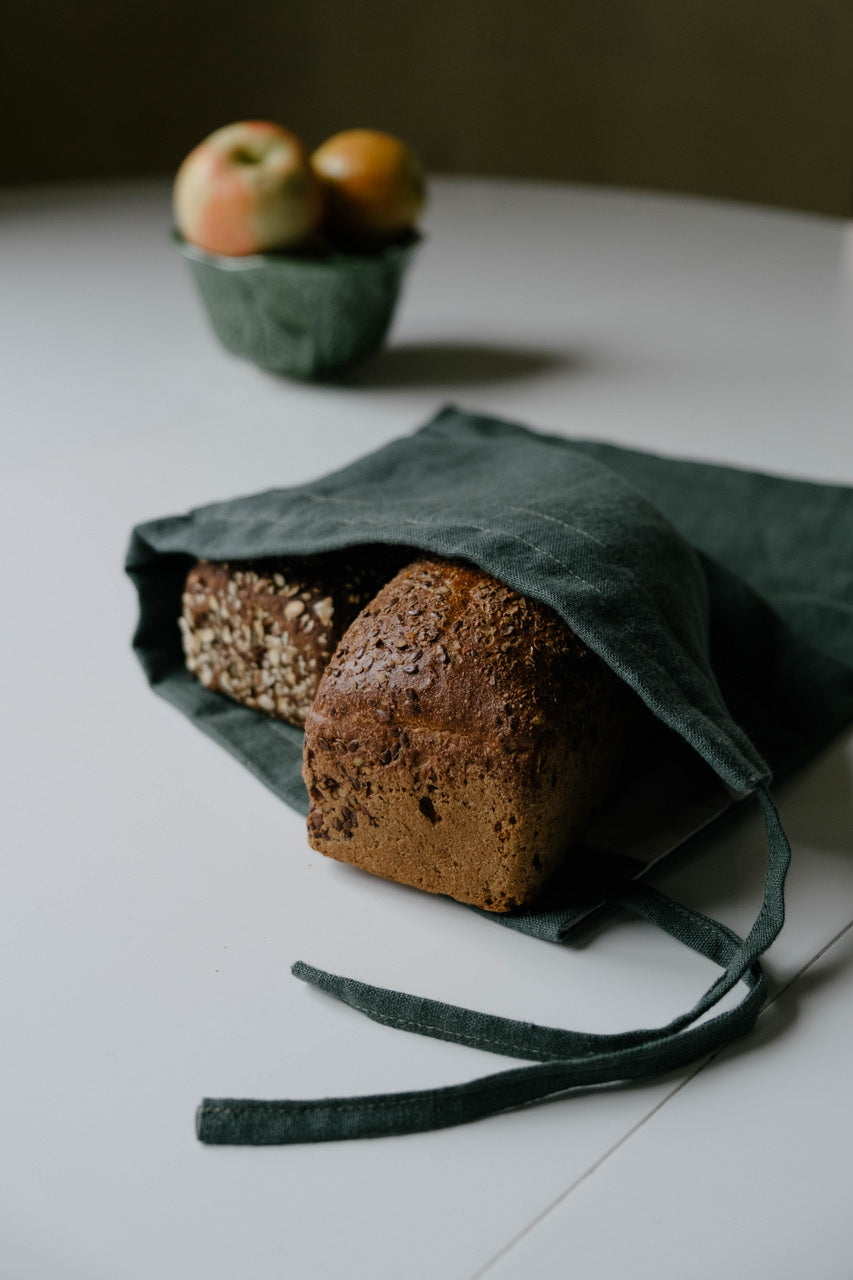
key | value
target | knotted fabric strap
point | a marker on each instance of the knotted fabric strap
(564, 1059)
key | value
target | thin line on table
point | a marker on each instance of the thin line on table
(564, 1195)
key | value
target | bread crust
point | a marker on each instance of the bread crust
(460, 738)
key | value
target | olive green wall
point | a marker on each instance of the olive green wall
(746, 99)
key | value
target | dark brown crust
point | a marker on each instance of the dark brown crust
(262, 631)
(460, 737)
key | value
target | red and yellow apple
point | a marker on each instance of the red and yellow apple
(247, 188)
(374, 187)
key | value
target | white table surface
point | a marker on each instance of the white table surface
(154, 895)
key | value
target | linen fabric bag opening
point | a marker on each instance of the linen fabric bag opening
(723, 598)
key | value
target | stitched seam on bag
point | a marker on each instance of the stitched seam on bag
(545, 1055)
(459, 1038)
(564, 524)
(288, 1108)
(585, 533)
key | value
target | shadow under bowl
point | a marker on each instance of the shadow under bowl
(300, 315)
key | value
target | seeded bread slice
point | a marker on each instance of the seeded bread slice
(460, 738)
(262, 632)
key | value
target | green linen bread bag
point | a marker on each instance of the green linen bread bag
(723, 598)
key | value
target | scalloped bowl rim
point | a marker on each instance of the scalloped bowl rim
(334, 261)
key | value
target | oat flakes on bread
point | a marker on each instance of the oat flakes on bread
(460, 738)
(262, 631)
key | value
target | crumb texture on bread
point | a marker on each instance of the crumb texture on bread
(460, 737)
(262, 631)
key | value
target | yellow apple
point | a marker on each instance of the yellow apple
(374, 187)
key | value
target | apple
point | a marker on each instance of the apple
(247, 188)
(374, 187)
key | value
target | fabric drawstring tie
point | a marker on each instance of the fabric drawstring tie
(564, 1059)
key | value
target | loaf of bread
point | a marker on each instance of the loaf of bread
(262, 631)
(460, 738)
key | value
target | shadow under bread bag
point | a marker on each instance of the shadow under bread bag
(723, 598)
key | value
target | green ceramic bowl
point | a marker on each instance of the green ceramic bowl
(298, 314)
